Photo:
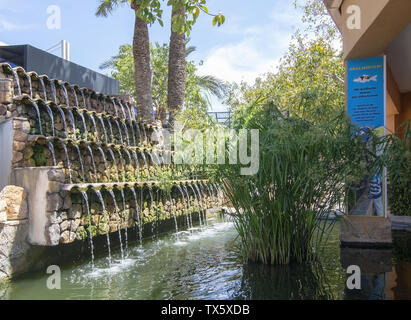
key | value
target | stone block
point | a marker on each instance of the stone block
(15, 199)
(65, 225)
(56, 175)
(18, 145)
(21, 125)
(20, 136)
(67, 237)
(53, 233)
(54, 187)
(366, 231)
(54, 202)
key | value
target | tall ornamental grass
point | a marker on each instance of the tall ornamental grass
(282, 211)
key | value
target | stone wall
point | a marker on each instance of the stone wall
(83, 167)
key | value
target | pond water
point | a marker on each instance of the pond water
(207, 264)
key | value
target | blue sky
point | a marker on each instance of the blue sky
(256, 33)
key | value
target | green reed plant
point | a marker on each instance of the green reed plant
(281, 212)
(398, 155)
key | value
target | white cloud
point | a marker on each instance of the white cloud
(237, 62)
(9, 26)
(258, 47)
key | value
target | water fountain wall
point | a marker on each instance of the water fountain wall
(88, 166)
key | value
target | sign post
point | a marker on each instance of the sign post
(366, 104)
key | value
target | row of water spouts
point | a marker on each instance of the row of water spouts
(198, 190)
(128, 132)
(126, 111)
(130, 157)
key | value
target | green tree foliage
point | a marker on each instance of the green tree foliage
(308, 83)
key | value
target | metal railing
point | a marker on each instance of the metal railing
(223, 118)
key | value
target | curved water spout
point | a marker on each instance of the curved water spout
(84, 194)
(17, 80)
(43, 87)
(53, 155)
(107, 219)
(67, 161)
(92, 162)
(50, 113)
(118, 222)
(36, 107)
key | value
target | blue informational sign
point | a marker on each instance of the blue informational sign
(366, 92)
(366, 104)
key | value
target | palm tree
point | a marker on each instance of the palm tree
(176, 63)
(141, 54)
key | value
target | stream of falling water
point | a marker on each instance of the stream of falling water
(84, 194)
(139, 218)
(30, 85)
(104, 129)
(174, 213)
(119, 131)
(104, 160)
(138, 131)
(126, 132)
(53, 155)
(50, 113)
(93, 162)
(114, 106)
(73, 122)
(103, 207)
(123, 172)
(144, 132)
(93, 122)
(111, 131)
(133, 132)
(53, 91)
(113, 158)
(81, 162)
(67, 161)
(122, 110)
(43, 87)
(66, 98)
(204, 205)
(75, 95)
(83, 120)
(151, 211)
(199, 206)
(185, 206)
(188, 205)
(84, 99)
(126, 220)
(136, 166)
(118, 222)
(36, 107)
(17, 79)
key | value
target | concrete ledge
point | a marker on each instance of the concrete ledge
(366, 232)
(402, 223)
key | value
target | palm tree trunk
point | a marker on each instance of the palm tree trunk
(176, 69)
(142, 74)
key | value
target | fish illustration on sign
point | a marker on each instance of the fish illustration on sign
(365, 78)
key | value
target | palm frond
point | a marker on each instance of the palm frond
(212, 85)
(106, 7)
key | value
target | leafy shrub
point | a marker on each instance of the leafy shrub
(399, 173)
(303, 173)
